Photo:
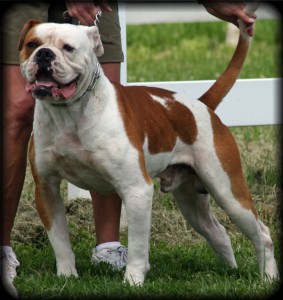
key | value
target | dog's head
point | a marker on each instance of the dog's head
(58, 60)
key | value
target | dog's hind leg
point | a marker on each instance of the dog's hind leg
(222, 175)
(51, 210)
(243, 214)
(195, 207)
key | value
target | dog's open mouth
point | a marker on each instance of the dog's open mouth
(46, 86)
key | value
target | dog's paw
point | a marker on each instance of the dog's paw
(133, 279)
(135, 275)
(271, 272)
(67, 270)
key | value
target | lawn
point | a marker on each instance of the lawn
(182, 264)
(197, 51)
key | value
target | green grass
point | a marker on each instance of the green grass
(197, 51)
(181, 271)
(182, 264)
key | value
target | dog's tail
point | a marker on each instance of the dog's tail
(214, 95)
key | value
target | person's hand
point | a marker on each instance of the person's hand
(86, 11)
(231, 12)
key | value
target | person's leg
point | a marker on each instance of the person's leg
(17, 107)
(17, 127)
(107, 212)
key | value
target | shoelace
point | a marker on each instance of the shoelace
(122, 253)
(10, 263)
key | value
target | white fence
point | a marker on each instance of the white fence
(250, 102)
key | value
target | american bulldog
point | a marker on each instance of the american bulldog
(109, 138)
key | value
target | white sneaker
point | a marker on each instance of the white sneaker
(116, 256)
(9, 264)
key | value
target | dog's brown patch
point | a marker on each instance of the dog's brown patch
(229, 157)
(28, 35)
(145, 118)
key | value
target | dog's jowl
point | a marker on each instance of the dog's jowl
(111, 138)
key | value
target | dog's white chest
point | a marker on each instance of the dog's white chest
(78, 164)
(69, 153)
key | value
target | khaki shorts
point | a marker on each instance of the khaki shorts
(16, 15)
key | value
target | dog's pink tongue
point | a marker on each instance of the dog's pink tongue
(65, 91)
(68, 90)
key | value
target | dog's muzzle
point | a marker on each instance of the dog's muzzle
(43, 58)
(45, 86)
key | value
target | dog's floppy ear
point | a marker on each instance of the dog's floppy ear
(94, 36)
(28, 25)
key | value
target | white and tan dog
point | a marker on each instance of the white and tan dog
(110, 138)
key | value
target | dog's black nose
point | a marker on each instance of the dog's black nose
(44, 57)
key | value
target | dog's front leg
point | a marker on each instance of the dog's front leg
(51, 210)
(138, 204)
(52, 213)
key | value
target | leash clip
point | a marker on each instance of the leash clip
(98, 14)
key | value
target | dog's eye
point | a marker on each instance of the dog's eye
(68, 48)
(32, 45)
